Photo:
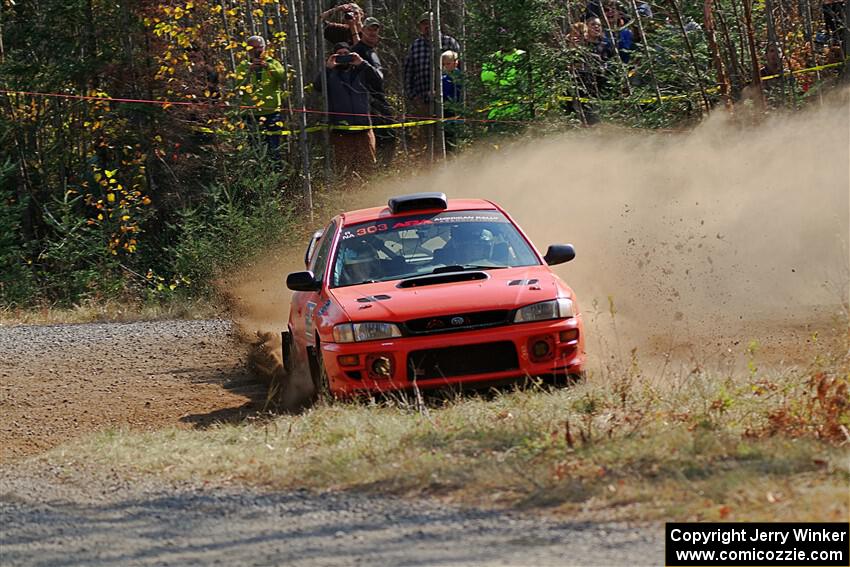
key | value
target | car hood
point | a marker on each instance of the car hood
(502, 289)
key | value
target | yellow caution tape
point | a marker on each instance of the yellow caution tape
(342, 127)
(809, 70)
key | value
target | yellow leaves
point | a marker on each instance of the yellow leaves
(110, 197)
(146, 201)
(125, 218)
(110, 173)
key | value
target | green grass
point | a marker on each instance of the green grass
(698, 446)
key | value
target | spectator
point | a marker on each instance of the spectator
(260, 78)
(380, 107)
(595, 39)
(349, 80)
(619, 38)
(349, 29)
(773, 80)
(835, 20)
(451, 77)
(418, 78)
(578, 35)
(451, 97)
(418, 67)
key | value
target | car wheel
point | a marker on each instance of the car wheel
(320, 377)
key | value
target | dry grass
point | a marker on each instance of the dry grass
(112, 310)
(700, 445)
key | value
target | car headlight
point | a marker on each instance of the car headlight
(370, 331)
(561, 308)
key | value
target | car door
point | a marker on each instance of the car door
(304, 304)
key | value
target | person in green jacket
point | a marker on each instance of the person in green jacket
(260, 78)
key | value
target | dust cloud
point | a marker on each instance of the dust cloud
(733, 231)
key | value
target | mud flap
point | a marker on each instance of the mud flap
(286, 350)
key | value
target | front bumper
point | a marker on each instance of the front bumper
(565, 356)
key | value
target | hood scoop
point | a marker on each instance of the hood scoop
(371, 298)
(523, 282)
(434, 279)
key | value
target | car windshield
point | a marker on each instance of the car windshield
(398, 248)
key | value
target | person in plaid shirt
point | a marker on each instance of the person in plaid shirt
(417, 65)
(418, 70)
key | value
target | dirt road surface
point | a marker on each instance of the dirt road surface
(61, 382)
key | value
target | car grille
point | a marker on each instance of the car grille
(456, 322)
(462, 360)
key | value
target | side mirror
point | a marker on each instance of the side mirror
(303, 281)
(559, 253)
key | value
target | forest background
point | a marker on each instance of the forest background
(126, 172)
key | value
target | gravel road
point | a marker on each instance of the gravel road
(60, 382)
(51, 520)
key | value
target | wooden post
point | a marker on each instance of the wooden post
(302, 118)
(437, 45)
(678, 11)
(754, 56)
(648, 53)
(232, 58)
(323, 79)
(722, 80)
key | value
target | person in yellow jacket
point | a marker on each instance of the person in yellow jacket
(260, 78)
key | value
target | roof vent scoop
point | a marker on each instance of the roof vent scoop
(418, 202)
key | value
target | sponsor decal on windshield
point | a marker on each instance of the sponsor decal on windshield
(376, 227)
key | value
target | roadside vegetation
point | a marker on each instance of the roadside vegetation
(127, 175)
(696, 443)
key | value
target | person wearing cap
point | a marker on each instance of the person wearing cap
(418, 70)
(349, 29)
(349, 79)
(381, 109)
(259, 83)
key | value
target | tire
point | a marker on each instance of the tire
(321, 381)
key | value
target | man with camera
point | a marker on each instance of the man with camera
(260, 78)
(349, 80)
(382, 111)
(349, 29)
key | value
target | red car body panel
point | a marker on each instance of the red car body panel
(314, 314)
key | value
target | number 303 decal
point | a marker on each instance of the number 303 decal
(363, 231)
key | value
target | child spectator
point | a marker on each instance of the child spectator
(451, 77)
(451, 96)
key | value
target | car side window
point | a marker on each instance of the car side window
(320, 261)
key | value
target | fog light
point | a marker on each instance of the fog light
(380, 366)
(570, 335)
(348, 360)
(540, 349)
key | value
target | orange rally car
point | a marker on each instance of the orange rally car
(430, 292)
